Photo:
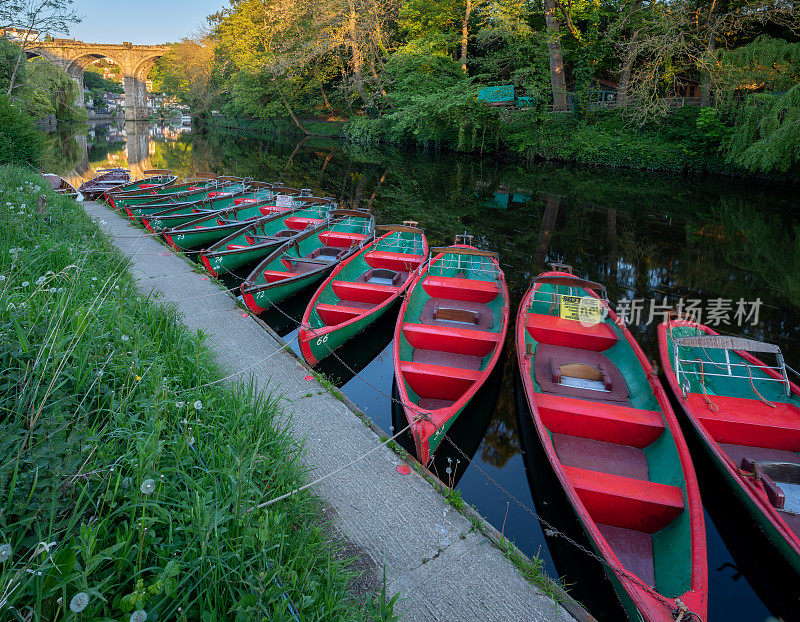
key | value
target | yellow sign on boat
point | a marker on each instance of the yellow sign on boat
(584, 309)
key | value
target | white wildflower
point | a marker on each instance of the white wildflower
(148, 486)
(180, 405)
(198, 405)
(125, 338)
(2, 277)
(40, 280)
(140, 615)
(53, 290)
(25, 283)
(94, 278)
(191, 441)
(79, 602)
(5, 553)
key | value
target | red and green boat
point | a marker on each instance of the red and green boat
(746, 414)
(361, 290)
(307, 258)
(222, 188)
(201, 181)
(615, 446)
(179, 215)
(209, 229)
(102, 180)
(448, 338)
(152, 180)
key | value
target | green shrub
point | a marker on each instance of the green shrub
(20, 141)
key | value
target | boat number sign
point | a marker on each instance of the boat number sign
(284, 200)
(584, 309)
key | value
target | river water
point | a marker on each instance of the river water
(730, 248)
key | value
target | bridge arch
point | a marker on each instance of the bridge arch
(135, 62)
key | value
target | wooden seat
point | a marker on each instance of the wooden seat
(570, 333)
(366, 292)
(273, 276)
(341, 239)
(742, 421)
(602, 422)
(449, 339)
(456, 288)
(336, 314)
(624, 501)
(402, 262)
(436, 381)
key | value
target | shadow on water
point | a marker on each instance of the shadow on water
(647, 236)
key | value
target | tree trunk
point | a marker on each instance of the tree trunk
(14, 71)
(705, 87)
(288, 107)
(377, 189)
(355, 50)
(325, 97)
(625, 73)
(558, 81)
(552, 203)
(465, 36)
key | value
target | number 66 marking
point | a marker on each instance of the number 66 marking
(322, 340)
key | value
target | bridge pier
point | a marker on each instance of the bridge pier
(135, 99)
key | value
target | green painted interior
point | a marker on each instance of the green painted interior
(672, 544)
(406, 242)
(471, 267)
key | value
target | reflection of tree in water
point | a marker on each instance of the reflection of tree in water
(501, 441)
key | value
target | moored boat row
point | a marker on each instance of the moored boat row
(605, 423)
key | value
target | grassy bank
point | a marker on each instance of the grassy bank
(128, 472)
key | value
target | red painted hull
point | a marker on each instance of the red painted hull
(645, 505)
(762, 432)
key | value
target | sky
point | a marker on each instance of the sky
(140, 21)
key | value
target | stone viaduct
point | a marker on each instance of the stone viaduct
(135, 61)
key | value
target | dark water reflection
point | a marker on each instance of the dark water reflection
(646, 236)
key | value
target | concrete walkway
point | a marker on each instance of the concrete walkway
(442, 567)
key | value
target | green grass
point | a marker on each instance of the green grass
(126, 479)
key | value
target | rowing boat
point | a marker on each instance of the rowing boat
(102, 180)
(222, 187)
(62, 186)
(361, 290)
(217, 201)
(152, 180)
(232, 222)
(448, 338)
(746, 414)
(307, 258)
(201, 181)
(613, 441)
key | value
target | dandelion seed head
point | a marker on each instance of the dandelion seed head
(25, 283)
(148, 486)
(79, 602)
(125, 338)
(2, 277)
(5, 553)
(180, 405)
(448, 470)
(53, 290)
(140, 615)
(198, 405)
(94, 278)
(126, 482)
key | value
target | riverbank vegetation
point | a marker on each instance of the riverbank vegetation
(592, 82)
(130, 472)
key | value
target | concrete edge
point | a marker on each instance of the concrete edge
(505, 546)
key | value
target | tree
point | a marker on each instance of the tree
(187, 72)
(33, 17)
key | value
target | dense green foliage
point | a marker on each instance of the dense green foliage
(411, 70)
(98, 85)
(20, 142)
(129, 473)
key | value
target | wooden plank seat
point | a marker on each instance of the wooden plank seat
(611, 423)
(342, 239)
(457, 314)
(625, 501)
(450, 339)
(743, 421)
(299, 223)
(363, 292)
(336, 314)
(436, 381)
(568, 372)
(456, 288)
(570, 333)
(401, 262)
